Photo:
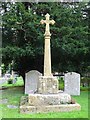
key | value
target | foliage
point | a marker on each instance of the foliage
(23, 38)
(3, 68)
(85, 81)
(19, 82)
(10, 81)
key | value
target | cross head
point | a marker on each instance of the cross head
(47, 22)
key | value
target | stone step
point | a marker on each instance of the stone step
(49, 99)
(50, 108)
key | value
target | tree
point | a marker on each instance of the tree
(23, 38)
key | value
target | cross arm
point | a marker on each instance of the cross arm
(52, 22)
(42, 21)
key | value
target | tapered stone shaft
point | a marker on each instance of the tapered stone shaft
(47, 51)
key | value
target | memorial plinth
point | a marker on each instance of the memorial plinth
(47, 85)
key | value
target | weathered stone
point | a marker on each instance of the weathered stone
(47, 51)
(24, 100)
(72, 83)
(31, 81)
(49, 99)
(27, 108)
(47, 84)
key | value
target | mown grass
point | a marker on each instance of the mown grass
(18, 83)
(14, 94)
(16, 91)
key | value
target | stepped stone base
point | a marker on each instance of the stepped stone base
(26, 106)
(49, 99)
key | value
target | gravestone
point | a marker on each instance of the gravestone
(72, 83)
(31, 81)
(14, 80)
(14, 75)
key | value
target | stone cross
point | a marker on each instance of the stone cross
(47, 22)
(47, 52)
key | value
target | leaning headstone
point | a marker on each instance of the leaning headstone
(31, 81)
(72, 83)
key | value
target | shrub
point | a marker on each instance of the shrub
(10, 81)
(85, 81)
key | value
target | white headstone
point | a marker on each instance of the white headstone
(31, 81)
(72, 83)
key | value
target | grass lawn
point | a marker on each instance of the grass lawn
(13, 95)
(18, 83)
